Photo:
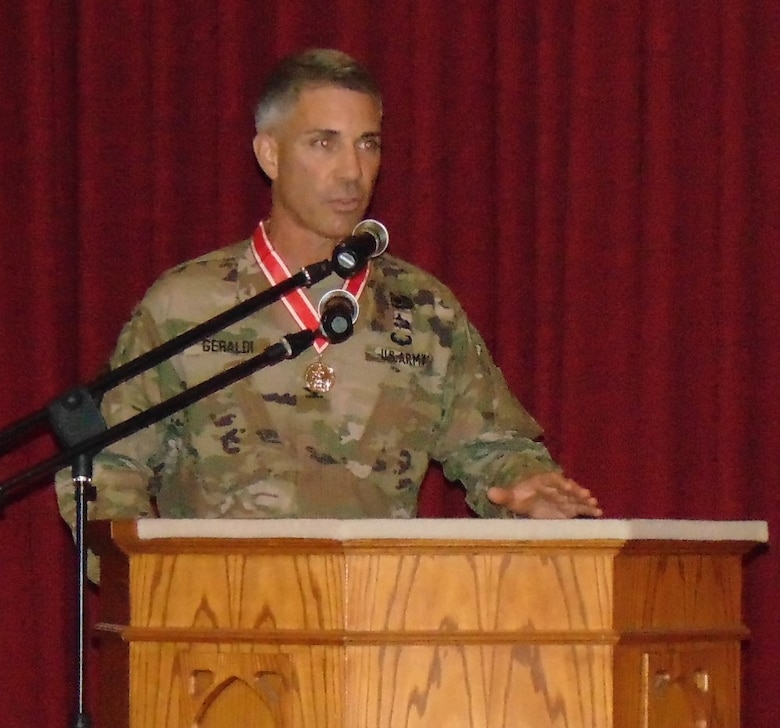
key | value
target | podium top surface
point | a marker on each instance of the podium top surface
(457, 529)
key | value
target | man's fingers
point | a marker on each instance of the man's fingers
(499, 496)
(546, 495)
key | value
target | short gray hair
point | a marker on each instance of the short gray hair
(313, 68)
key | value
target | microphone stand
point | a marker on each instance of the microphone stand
(288, 348)
(76, 418)
(76, 399)
(84, 492)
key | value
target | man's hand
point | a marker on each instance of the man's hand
(546, 495)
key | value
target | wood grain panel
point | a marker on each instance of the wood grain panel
(238, 591)
(677, 590)
(686, 685)
(472, 686)
(479, 591)
(249, 685)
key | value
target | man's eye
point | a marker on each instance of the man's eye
(371, 144)
(323, 142)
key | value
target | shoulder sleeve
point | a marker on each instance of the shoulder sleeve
(487, 438)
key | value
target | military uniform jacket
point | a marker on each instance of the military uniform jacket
(414, 382)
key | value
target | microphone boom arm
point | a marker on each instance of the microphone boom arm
(306, 277)
(75, 416)
(288, 348)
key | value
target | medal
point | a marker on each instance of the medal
(319, 377)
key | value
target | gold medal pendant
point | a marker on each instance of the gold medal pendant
(319, 377)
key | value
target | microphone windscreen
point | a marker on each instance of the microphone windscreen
(377, 230)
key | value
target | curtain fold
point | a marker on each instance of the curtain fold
(596, 181)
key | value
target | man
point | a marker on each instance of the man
(345, 430)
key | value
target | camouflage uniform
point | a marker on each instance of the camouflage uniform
(414, 382)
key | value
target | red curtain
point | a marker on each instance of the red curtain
(597, 181)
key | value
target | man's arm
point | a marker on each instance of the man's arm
(490, 443)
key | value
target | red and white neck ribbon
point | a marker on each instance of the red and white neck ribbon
(297, 303)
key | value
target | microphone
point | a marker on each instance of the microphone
(368, 240)
(338, 312)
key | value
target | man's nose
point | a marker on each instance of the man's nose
(350, 166)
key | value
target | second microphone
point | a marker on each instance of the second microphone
(338, 311)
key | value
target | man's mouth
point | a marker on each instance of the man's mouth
(346, 204)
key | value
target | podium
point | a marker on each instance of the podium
(460, 623)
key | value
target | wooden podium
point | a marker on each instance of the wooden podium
(422, 623)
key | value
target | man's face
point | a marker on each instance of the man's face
(323, 159)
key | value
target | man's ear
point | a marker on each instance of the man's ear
(266, 153)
